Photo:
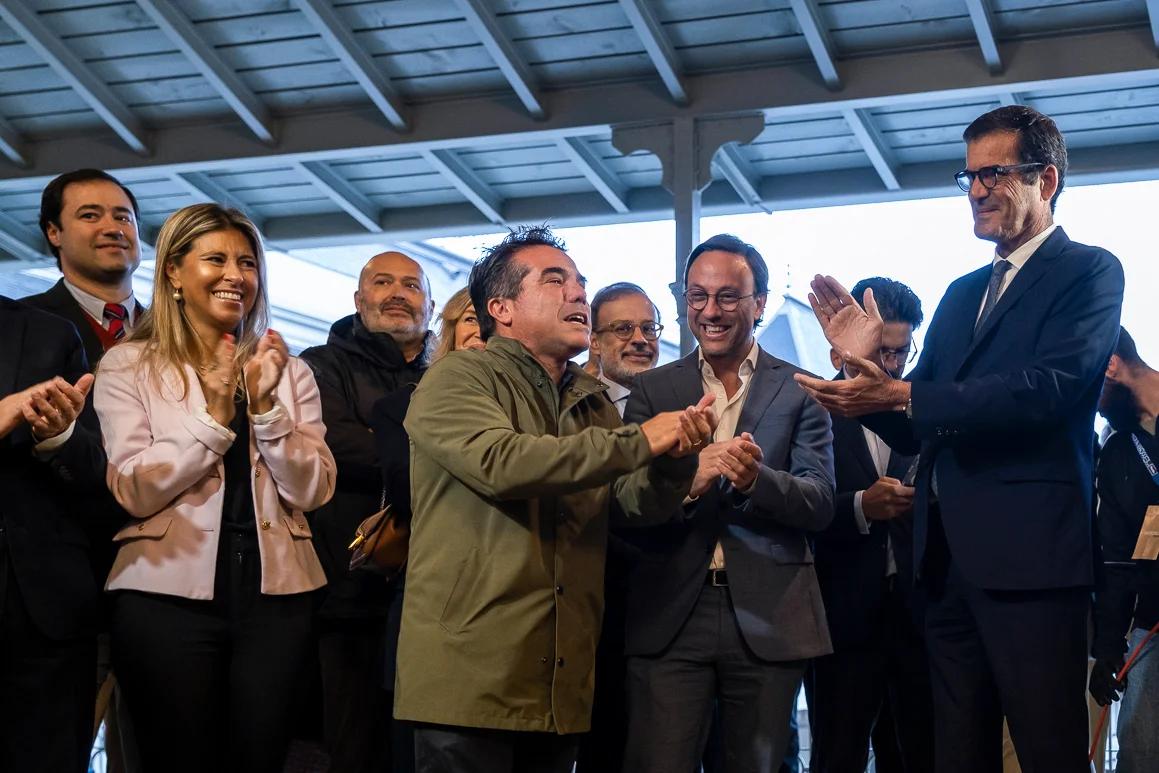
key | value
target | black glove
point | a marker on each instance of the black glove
(1104, 687)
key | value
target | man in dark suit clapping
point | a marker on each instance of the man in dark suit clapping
(1000, 406)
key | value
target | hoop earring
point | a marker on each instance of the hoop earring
(177, 295)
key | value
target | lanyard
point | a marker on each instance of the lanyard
(1152, 470)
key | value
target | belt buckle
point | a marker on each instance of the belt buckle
(718, 578)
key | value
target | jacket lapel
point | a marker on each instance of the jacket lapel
(766, 383)
(1035, 268)
(686, 384)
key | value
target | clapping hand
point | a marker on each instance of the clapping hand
(219, 381)
(264, 371)
(847, 326)
(870, 391)
(737, 459)
(49, 408)
(680, 433)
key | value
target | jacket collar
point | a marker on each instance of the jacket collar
(766, 382)
(576, 381)
(351, 335)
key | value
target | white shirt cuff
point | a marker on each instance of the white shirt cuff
(859, 514)
(47, 447)
(270, 416)
(203, 416)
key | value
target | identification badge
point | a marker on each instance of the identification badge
(1147, 548)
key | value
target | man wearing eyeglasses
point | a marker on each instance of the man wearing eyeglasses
(876, 682)
(723, 603)
(1000, 407)
(625, 338)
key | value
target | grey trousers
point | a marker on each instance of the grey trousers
(670, 697)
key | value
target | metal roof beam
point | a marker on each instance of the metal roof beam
(342, 193)
(602, 179)
(982, 16)
(221, 76)
(75, 73)
(880, 154)
(12, 145)
(1105, 60)
(354, 58)
(816, 34)
(19, 240)
(658, 47)
(202, 187)
(739, 173)
(458, 174)
(482, 20)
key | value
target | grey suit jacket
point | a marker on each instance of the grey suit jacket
(772, 580)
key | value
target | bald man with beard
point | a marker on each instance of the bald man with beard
(369, 355)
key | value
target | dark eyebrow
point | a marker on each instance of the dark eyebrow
(564, 274)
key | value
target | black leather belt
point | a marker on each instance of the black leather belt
(717, 578)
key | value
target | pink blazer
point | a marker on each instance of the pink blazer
(166, 469)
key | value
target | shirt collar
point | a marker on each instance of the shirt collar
(1019, 257)
(746, 367)
(95, 307)
(616, 392)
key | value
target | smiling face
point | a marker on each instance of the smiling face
(720, 333)
(393, 297)
(621, 360)
(467, 331)
(219, 280)
(97, 235)
(1013, 211)
(550, 316)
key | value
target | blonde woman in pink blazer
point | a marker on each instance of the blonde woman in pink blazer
(215, 443)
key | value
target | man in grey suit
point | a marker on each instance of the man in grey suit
(723, 603)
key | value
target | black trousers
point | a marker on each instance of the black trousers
(214, 685)
(1018, 653)
(848, 690)
(47, 689)
(671, 697)
(356, 708)
(451, 749)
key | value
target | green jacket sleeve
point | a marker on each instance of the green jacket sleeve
(456, 418)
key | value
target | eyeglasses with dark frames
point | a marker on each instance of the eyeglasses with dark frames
(727, 300)
(988, 175)
(624, 330)
(905, 354)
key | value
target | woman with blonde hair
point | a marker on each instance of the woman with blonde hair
(215, 444)
(458, 326)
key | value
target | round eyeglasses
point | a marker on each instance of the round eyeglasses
(726, 300)
(988, 175)
(624, 330)
(905, 354)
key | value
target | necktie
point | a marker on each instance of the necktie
(116, 314)
(997, 272)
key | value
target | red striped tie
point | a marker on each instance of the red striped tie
(116, 314)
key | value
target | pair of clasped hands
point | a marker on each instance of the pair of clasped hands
(260, 375)
(48, 408)
(681, 433)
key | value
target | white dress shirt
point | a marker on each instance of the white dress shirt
(727, 410)
(617, 393)
(1017, 260)
(95, 307)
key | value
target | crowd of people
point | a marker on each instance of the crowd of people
(614, 567)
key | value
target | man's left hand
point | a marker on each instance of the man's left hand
(872, 390)
(51, 407)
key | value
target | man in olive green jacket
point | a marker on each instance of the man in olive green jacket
(516, 459)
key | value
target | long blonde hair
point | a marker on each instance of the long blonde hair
(449, 317)
(165, 331)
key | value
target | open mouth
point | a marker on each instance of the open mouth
(227, 295)
(715, 331)
(578, 318)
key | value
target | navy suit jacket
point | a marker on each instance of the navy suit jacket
(1003, 418)
(771, 577)
(47, 504)
(851, 566)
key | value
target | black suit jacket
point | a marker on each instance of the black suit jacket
(108, 515)
(851, 565)
(770, 566)
(1003, 418)
(46, 504)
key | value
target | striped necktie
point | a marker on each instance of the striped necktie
(116, 314)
